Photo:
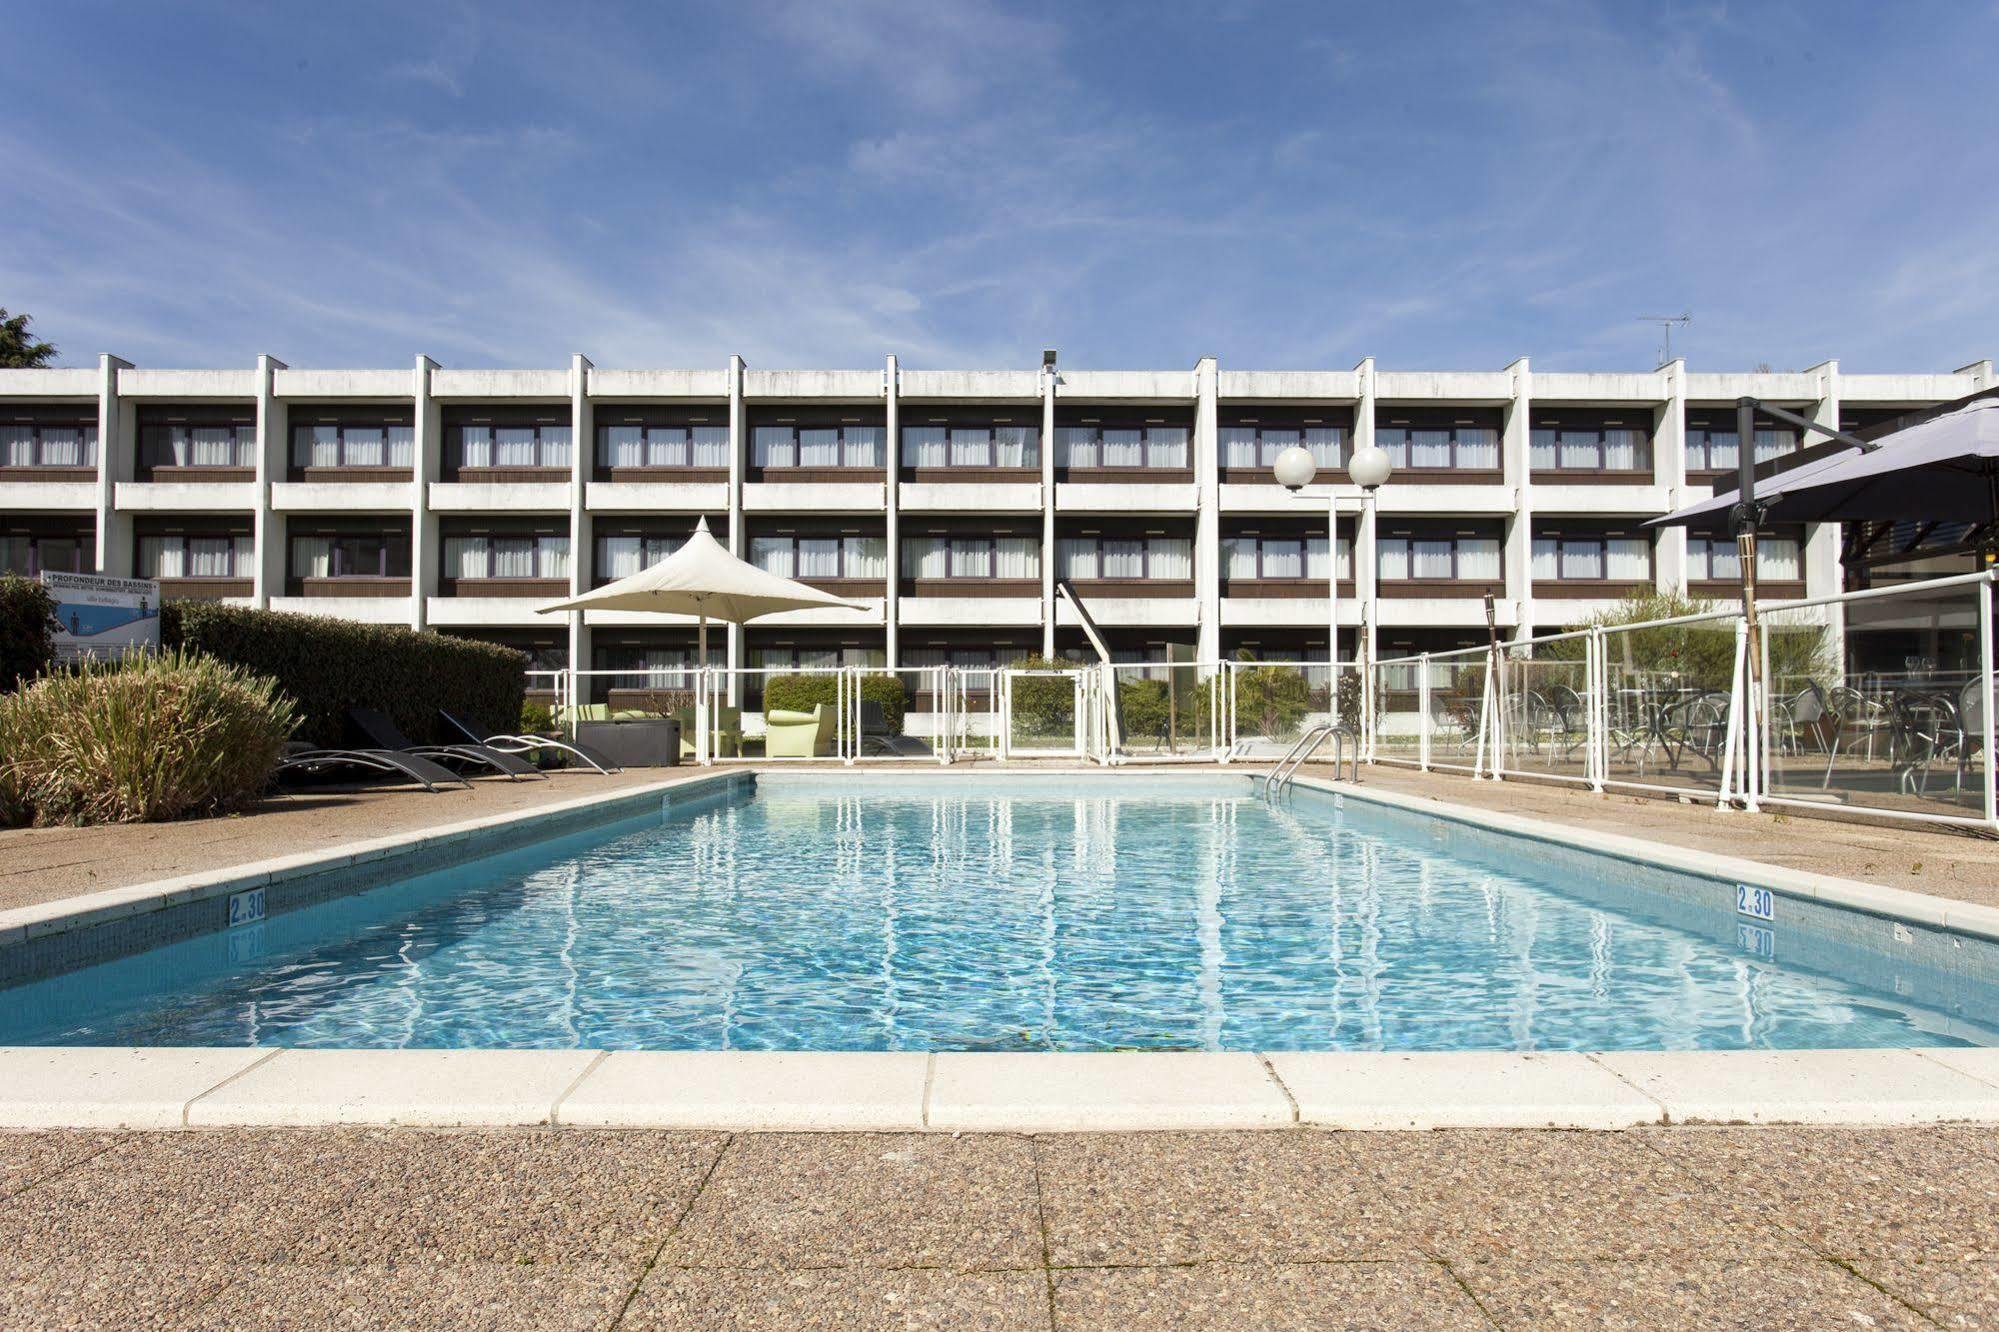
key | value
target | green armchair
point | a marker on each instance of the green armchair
(726, 731)
(799, 734)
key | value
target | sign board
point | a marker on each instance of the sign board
(103, 617)
(1756, 903)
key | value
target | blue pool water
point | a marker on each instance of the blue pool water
(956, 913)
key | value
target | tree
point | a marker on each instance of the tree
(18, 348)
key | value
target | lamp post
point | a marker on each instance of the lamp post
(1369, 468)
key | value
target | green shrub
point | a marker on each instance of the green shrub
(27, 630)
(1273, 701)
(150, 737)
(536, 719)
(1044, 705)
(801, 693)
(1702, 654)
(329, 666)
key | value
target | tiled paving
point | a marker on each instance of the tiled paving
(394, 1228)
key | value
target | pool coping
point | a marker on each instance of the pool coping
(193, 1088)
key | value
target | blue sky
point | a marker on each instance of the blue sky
(962, 182)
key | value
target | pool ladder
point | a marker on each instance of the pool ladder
(1307, 745)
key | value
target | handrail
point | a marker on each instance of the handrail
(1302, 750)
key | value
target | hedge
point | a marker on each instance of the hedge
(801, 693)
(27, 630)
(329, 666)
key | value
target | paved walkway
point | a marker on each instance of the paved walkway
(1666, 1228)
(1945, 863)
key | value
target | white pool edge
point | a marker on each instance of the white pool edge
(182, 1087)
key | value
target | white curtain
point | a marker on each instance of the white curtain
(1547, 566)
(1171, 559)
(1723, 451)
(1392, 558)
(1393, 441)
(513, 446)
(551, 557)
(1283, 559)
(666, 446)
(1478, 447)
(1317, 566)
(312, 557)
(1628, 559)
(774, 555)
(1431, 559)
(819, 447)
(17, 446)
(1239, 557)
(864, 446)
(925, 446)
(1774, 444)
(554, 446)
(475, 448)
(211, 557)
(620, 556)
(1166, 446)
(62, 446)
(818, 557)
(1777, 558)
(1429, 448)
(971, 447)
(1123, 448)
(1582, 559)
(1077, 559)
(1275, 442)
(465, 557)
(1326, 444)
(709, 446)
(161, 557)
(624, 446)
(1577, 450)
(1017, 558)
(866, 556)
(1541, 450)
(401, 446)
(774, 446)
(513, 557)
(1478, 559)
(1016, 446)
(1239, 451)
(1121, 558)
(364, 447)
(970, 559)
(1626, 451)
(926, 557)
(1344, 559)
(1076, 446)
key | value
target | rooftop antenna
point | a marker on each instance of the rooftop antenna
(1665, 323)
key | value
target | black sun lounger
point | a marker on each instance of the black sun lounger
(528, 744)
(306, 759)
(382, 732)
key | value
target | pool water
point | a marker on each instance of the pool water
(973, 913)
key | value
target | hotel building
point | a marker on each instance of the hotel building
(950, 502)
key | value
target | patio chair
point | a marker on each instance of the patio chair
(1925, 729)
(1695, 725)
(877, 738)
(311, 761)
(530, 744)
(385, 734)
(1571, 719)
(725, 731)
(799, 734)
(1971, 726)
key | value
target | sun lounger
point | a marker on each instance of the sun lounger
(384, 733)
(530, 744)
(302, 758)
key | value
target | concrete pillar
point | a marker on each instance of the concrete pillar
(1823, 573)
(1669, 469)
(891, 613)
(117, 446)
(582, 542)
(1981, 374)
(1050, 379)
(273, 459)
(739, 452)
(425, 544)
(1517, 462)
(1208, 518)
(1363, 537)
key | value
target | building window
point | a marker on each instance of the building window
(1715, 560)
(525, 446)
(821, 558)
(1014, 558)
(494, 556)
(792, 658)
(1088, 559)
(1438, 559)
(32, 554)
(649, 667)
(1458, 446)
(29, 445)
(790, 445)
(1716, 449)
(623, 555)
(178, 556)
(1590, 449)
(333, 445)
(1254, 447)
(1260, 558)
(384, 554)
(942, 447)
(696, 446)
(1139, 448)
(198, 446)
(1592, 559)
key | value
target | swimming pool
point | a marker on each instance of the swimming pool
(1103, 912)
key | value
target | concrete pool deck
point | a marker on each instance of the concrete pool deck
(1660, 1228)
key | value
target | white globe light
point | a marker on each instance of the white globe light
(1370, 467)
(1294, 468)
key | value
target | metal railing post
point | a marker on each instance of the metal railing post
(1423, 712)
(1985, 654)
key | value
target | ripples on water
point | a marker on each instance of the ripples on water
(946, 916)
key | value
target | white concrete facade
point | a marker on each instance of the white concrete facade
(1208, 507)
